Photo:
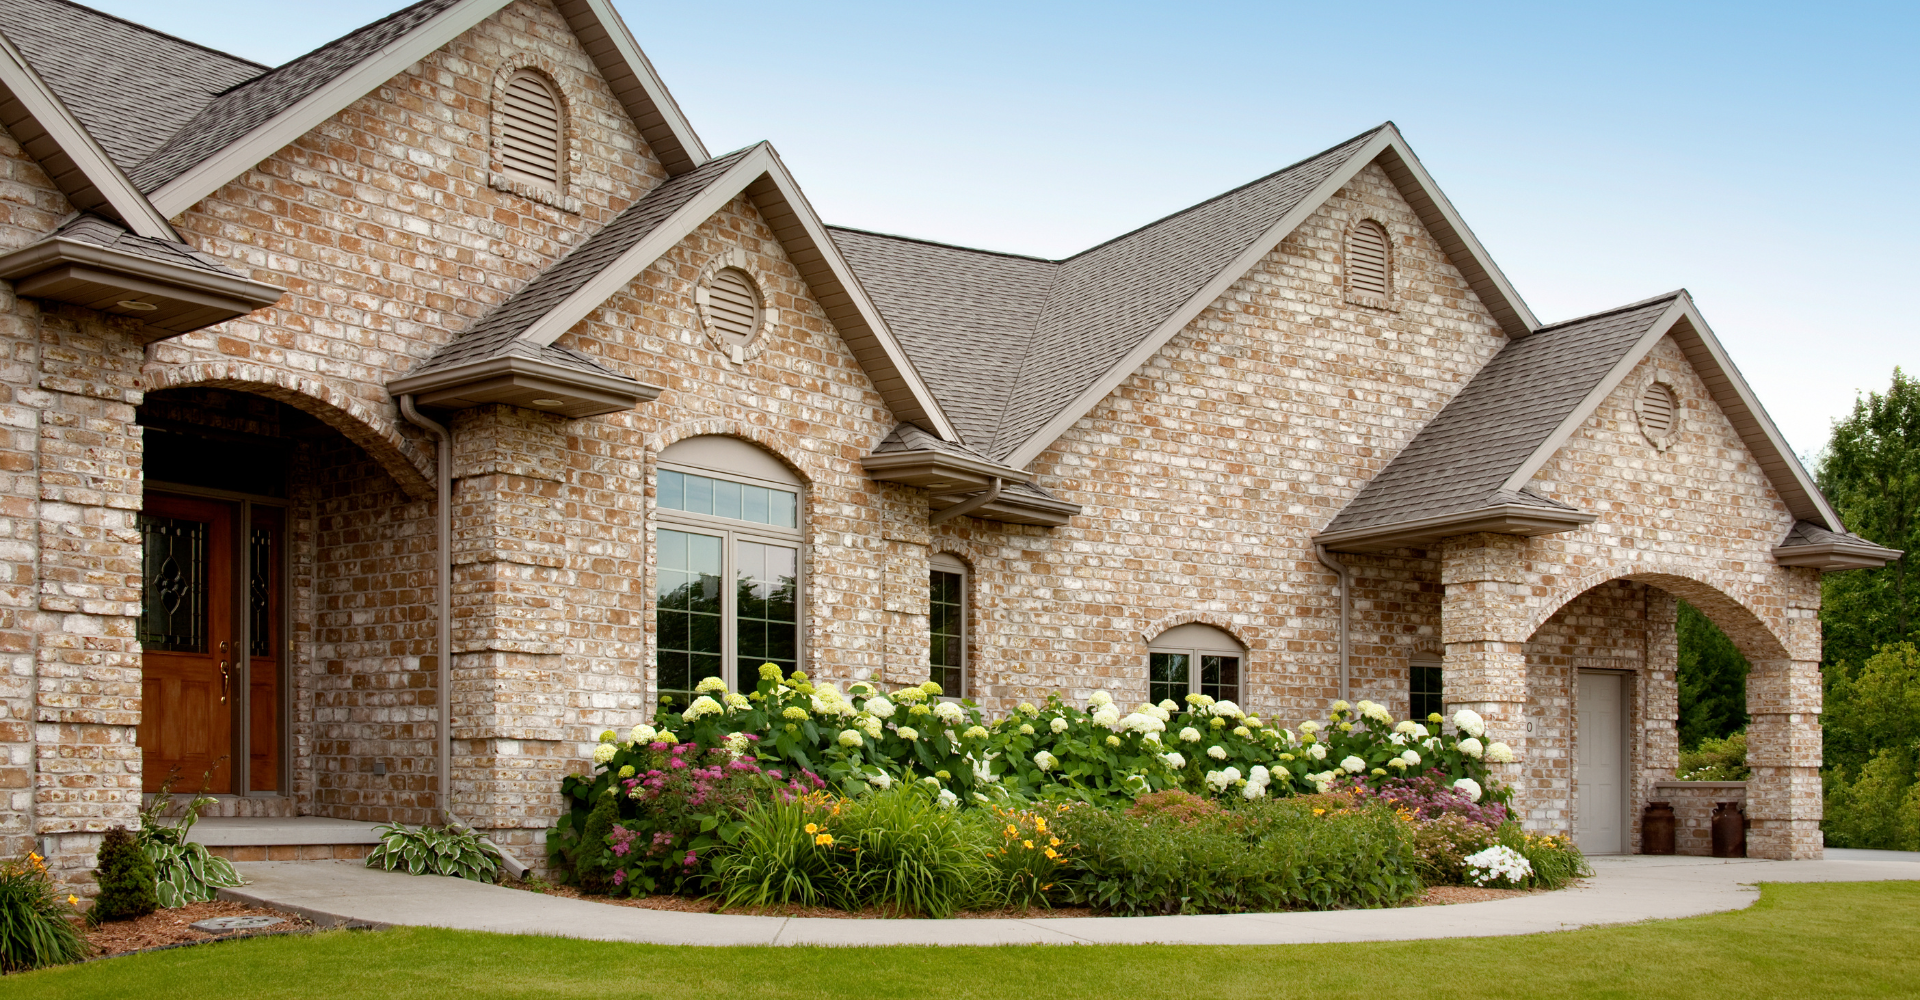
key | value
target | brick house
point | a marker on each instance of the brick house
(447, 374)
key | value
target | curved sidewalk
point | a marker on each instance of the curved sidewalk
(1624, 890)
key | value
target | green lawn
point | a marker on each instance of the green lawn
(1827, 940)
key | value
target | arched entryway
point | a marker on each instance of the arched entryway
(1602, 705)
(287, 628)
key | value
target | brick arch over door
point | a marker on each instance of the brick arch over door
(376, 432)
(1718, 596)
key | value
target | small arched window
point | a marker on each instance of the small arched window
(531, 131)
(1194, 659)
(1368, 264)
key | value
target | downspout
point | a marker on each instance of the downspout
(443, 639)
(970, 504)
(1327, 560)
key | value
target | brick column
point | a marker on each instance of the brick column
(87, 660)
(905, 534)
(1783, 751)
(1481, 615)
(1657, 751)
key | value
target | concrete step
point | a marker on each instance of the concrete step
(249, 806)
(285, 838)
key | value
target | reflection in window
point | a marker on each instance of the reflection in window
(689, 613)
(768, 610)
(1167, 678)
(725, 498)
(946, 625)
(1423, 690)
(1194, 659)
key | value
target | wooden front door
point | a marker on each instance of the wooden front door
(190, 674)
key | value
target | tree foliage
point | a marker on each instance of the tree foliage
(1872, 725)
(1871, 472)
(1713, 680)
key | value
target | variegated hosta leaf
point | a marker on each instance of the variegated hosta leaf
(416, 864)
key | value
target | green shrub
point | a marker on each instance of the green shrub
(1025, 853)
(1715, 760)
(1877, 807)
(1441, 846)
(1264, 855)
(1174, 804)
(895, 850)
(1556, 862)
(35, 929)
(126, 877)
(183, 871)
(430, 851)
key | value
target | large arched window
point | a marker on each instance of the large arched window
(727, 573)
(1194, 659)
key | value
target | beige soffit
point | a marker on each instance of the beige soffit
(603, 33)
(72, 159)
(525, 382)
(177, 299)
(1730, 393)
(1501, 519)
(1836, 555)
(1436, 213)
(762, 176)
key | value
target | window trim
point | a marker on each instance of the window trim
(732, 531)
(941, 562)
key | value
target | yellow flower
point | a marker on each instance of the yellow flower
(1053, 841)
(823, 840)
(73, 900)
(1039, 824)
(1028, 844)
(813, 828)
(1319, 812)
(1051, 853)
(1012, 831)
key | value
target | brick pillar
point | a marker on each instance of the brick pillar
(1783, 751)
(19, 563)
(1481, 614)
(87, 660)
(905, 534)
(1657, 752)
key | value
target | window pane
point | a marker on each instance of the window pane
(699, 495)
(726, 499)
(753, 504)
(946, 650)
(673, 490)
(1168, 677)
(768, 618)
(688, 613)
(1220, 677)
(1423, 692)
(783, 508)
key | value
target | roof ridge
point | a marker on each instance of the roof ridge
(316, 50)
(1231, 191)
(163, 34)
(1629, 307)
(943, 244)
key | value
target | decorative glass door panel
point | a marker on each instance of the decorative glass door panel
(189, 671)
(265, 617)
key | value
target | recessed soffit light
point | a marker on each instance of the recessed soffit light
(548, 402)
(136, 306)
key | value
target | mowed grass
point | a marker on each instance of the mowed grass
(1833, 940)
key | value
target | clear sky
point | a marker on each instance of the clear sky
(1759, 154)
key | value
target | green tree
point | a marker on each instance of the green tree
(1871, 472)
(1713, 680)
(1872, 725)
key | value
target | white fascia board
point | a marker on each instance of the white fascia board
(32, 92)
(1577, 416)
(650, 81)
(760, 161)
(896, 355)
(274, 134)
(668, 234)
(1682, 308)
(1071, 414)
(1447, 211)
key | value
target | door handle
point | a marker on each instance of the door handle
(225, 679)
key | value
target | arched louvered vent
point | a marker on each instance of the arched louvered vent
(1657, 412)
(1367, 260)
(733, 306)
(530, 131)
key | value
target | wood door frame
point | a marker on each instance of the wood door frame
(1627, 678)
(241, 703)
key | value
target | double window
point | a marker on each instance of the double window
(1194, 659)
(947, 624)
(728, 565)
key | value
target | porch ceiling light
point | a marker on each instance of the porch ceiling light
(548, 401)
(136, 306)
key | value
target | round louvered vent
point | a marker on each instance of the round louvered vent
(1658, 413)
(733, 306)
(530, 130)
(1367, 260)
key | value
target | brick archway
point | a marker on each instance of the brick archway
(375, 431)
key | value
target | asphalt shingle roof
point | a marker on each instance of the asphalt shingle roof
(1008, 342)
(238, 111)
(497, 334)
(1459, 461)
(131, 86)
(99, 232)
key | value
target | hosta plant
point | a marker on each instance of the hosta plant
(183, 871)
(431, 851)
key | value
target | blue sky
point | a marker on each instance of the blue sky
(1759, 154)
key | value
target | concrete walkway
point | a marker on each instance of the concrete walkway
(1624, 890)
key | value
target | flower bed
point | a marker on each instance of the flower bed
(800, 794)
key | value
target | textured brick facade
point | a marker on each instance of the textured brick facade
(1203, 477)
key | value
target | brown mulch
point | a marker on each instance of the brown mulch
(685, 904)
(169, 927)
(1447, 895)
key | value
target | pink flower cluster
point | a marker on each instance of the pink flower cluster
(1428, 799)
